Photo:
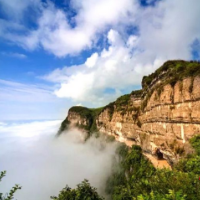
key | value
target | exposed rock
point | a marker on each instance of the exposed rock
(164, 115)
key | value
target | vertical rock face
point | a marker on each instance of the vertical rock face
(165, 114)
(123, 121)
(171, 119)
(77, 119)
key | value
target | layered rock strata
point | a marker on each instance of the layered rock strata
(164, 115)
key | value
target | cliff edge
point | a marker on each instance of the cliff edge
(162, 116)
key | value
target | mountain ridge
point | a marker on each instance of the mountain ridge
(163, 115)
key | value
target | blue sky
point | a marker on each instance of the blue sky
(55, 54)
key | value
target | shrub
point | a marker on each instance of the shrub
(137, 179)
(84, 191)
(195, 142)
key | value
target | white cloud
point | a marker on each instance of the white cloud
(168, 29)
(16, 55)
(91, 61)
(164, 31)
(30, 151)
(15, 9)
(93, 18)
(25, 92)
(28, 101)
(132, 41)
(114, 68)
(55, 34)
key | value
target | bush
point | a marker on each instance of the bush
(195, 142)
(137, 93)
(84, 191)
(137, 179)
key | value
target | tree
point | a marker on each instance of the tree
(14, 189)
(170, 196)
(84, 191)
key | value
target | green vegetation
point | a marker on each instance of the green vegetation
(137, 93)
(82, 111)
(95, 113)
(11, 193)
(146, 99)
(135, 178)
(195, 142)
(64, 126)
(84, 191)
(169, 73)
(173, 71)
(110, 108)
(90, 114)
(191, 164)
(122, 102)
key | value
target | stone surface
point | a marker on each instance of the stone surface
(170, 118)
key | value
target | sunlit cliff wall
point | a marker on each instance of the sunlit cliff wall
(165, 114)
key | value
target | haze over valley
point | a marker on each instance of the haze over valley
(99, 99)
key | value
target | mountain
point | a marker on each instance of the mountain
(162, 116)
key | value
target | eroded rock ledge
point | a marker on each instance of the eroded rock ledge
(164, 114)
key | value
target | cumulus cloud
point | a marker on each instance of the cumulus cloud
(55, 32)
(91, 61)
(114, 68)
(15, 9)
(165, 31)
(43, 165)
(168, 30)
(138, 40)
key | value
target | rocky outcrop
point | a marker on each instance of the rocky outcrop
(164, 115)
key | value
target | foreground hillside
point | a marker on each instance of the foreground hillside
(163, 115)
(133, 177)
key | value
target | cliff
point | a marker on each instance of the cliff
(163, 115)
(82, 118)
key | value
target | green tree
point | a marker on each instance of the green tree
(84, 191)
(172, 195)
(137, 179)
(11, 193)
(195, 142)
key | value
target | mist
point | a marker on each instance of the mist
(43, 164)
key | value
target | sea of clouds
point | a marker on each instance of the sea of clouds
(43, 164)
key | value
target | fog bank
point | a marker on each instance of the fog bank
(43, 164)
